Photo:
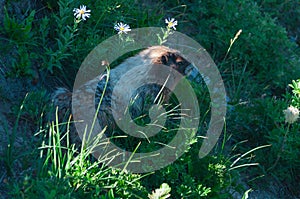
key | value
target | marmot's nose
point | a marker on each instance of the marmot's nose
(174, 66)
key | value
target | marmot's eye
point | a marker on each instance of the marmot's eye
(180, 63)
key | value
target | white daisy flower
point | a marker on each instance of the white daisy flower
(171, 23)
(81, 12)
(122, 28)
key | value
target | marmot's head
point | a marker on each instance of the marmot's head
(166, 56)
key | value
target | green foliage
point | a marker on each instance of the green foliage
(42, 188)
(191, 177)
(64, 37)
(286, 12)
(60, 53)
(263, 45)
(22, 67)
(10, 152)
(18, 31)
(19, 34)
(262, 122)
(35, 108)
(65, 172)
(61, 42)
(190, 189)
(295, 99)
(286, 143)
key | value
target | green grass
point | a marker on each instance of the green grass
(45, 45)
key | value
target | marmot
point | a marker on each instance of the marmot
(147, 63)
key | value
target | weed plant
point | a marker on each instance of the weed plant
(63, 171)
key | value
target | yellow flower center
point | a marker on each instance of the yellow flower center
(122, 28)
(81, 12)
(170, 24)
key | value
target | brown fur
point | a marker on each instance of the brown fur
(148, 57)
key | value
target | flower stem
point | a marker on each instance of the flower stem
(281, 149)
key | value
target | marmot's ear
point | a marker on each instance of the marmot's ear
(164, 59)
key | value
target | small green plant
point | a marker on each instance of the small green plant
(20, 35)
(285, 140)
(10, 155)
(295, 99)
(273, 121)
(19, 32)
(67, 172)
(65, 35)
(210, 177)
(35, 108)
